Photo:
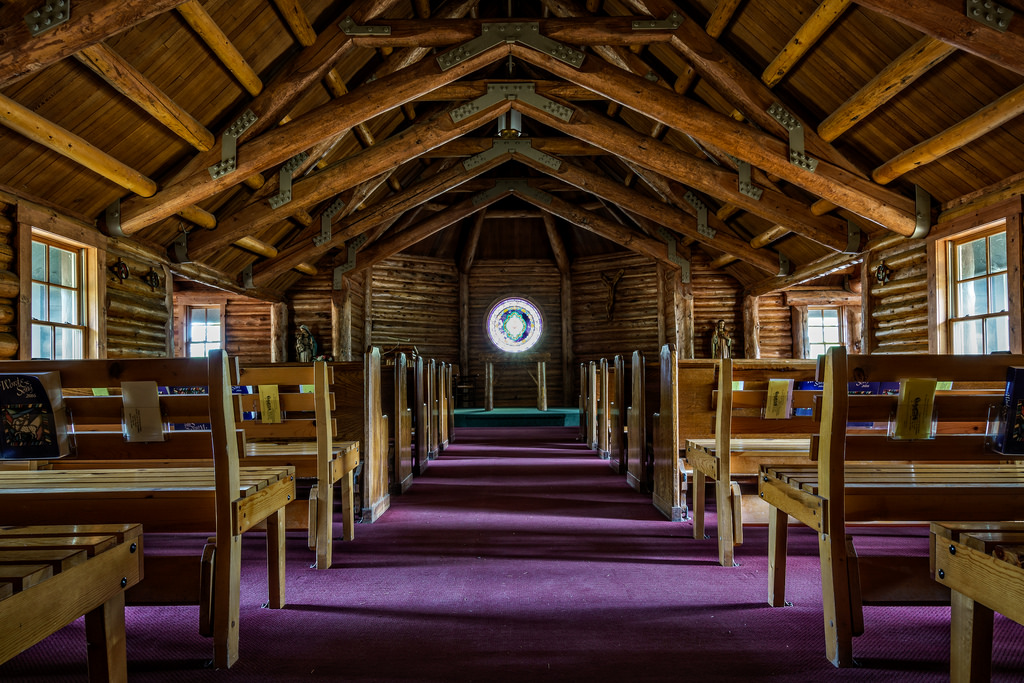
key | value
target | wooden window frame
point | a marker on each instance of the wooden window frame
(848, 305)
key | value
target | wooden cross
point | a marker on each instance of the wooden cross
(611, 283)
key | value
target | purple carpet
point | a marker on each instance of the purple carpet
(521, 556)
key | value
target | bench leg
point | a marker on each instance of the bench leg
(723, 503)
(105, 641)
(324, 521)
(835, 599)
(227, 577)
(348, 507)
(313, 522)
(970, 654)
(698, 503)
(778, 537)
(737, 513)
(275, 559)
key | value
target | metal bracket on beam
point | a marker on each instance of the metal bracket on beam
(523, 146)
(229, 145)
(526, 92)
(745, 182)
(673, 22)
(797, 156)
(112, 219)
(515, 186)
(50, 15)
(784, 265)
(284, 185)
(325, 222)
(989, 13)
(179, 248)
(247, 277)
(923, 201)
(349, 27)
(527, 33)
(351, 247)
(673, 254)
(702, 215)
(853, 237)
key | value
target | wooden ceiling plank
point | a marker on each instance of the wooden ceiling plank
(888, 209)
(295, 17)
(806, 37)
(947, 21)
(965, 131)
(26, 122)
(703, 176)
(92, 21)
(557, 244)
(278, 145)
(207, 29)
(127, 80)
(889, 82)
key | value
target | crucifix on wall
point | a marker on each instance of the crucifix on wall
(611, 282)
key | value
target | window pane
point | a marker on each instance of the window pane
(814, 316)
(997, 334)
(831, 335)
(197, 332)
(967, 336)
(38, 261)
(62, 267)
(830, 317)
(41, 342)
(971, 259)
(38, 301)
(213, 316)
(999, 301)
(973, 298)
(67, 344)
(815, 335)
(997, 252)
(213, 335)
(63, 306)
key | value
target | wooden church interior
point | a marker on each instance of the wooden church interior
(378, 173)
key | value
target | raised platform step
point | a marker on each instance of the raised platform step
(517, 417)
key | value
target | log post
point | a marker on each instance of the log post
(799, 319)
(341, 321)
(279, 333)
(368, 309)
(542, 386)
(751, 323)
(567, 354)
(464, 325)
(662, 326)
(684, 315)
(489, 386)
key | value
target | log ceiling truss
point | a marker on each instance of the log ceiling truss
(352, 131)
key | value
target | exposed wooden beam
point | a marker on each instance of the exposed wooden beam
(890, 81)
(803, 40)
(859, 195)
(947, 21)
(721, 16)
(557, 245)
(92, 21)
(298, 22)
(41, 131)
(471, 242)
(506, 214)
(985, 120)
(278, 145)
(258, 247)
(470, 90)
(200, 217)
(565, 146)
(769, 236)
(127, 80)
(207, 29)
(722, 261)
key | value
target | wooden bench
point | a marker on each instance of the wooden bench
(51, 575)
(618, 393)
(744, 440)
(641, 407)
(394, 388)
(193, 483)
(304, 439)
(865, 476)
(419, 402)
(981, 564)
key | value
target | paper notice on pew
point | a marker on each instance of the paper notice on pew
(142, 419)
(270, 404)
(914, 409)
(779, 401)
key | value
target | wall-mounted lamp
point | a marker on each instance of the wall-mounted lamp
(119, 269)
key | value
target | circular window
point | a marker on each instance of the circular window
(514, 325)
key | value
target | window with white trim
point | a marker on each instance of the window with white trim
(977, 289)
(58, 300)
(204, 330)
(824, 329)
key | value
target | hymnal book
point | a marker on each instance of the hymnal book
(1010, 438)
(914, 409)
(779, 402)
(34, 417)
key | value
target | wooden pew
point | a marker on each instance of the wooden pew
(359, 415)
(394, 391)
(981, 563)
(303, 438)
(101, 484)
(644, 395)
(620, 376)
(864, 476)
(419, 404)
(744, 439)
(51, 575)
(444, 401)
(685, 412)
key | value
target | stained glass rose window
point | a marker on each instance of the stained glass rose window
(514, 325)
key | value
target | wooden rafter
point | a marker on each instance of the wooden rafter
(826, 14)
(298, 22)
(207, 29)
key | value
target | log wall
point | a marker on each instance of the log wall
(246, 324)
(540, 282)
(898, 319)
(716, 296)
(776, 331)
(9, 284)
(415, 303)
(310, 304)
(138, 315)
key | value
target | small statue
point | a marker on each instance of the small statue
(721, 342)
(305, 345)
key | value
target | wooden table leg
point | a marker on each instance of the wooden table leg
(778, 538)
(698, 503)
(275, 558)
(105, 641)
(970, 658)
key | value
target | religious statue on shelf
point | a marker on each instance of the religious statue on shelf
(721, 342)
(305, 345)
